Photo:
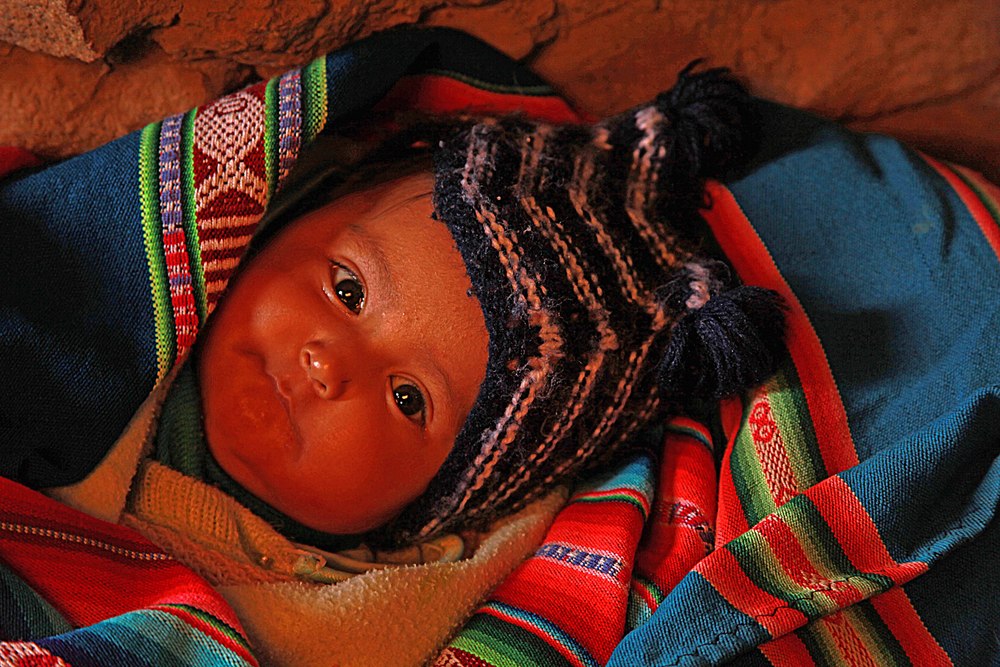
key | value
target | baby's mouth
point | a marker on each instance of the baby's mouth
(284, 399)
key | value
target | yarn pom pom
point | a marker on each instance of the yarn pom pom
(734, 341)
(712, 119)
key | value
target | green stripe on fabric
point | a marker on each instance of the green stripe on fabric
(698, 435)
(876, 634)
(761, 566)
(24, 614)
(798, 437)
(637, 612)
(845, 651)
(271, 136)
(651, 588)
(190, 209)
(791, 413)
(314, 102)
(152, 232)
(545, 628)
(992, 206)
(637, 609)
(748, 476)
(503, 644)
(819, 645)
(824, 551)
(527, 91)
(628, 498)
(492, 650)
(160, 638)
(214, 622)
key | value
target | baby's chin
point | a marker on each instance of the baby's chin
(325, 508)
(335, 521)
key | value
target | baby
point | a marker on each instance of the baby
(325, 374)
(436, 348)
(453, 337)
(457, 335)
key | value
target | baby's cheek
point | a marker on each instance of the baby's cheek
(251, 412)
(338, 451)
(271, 306)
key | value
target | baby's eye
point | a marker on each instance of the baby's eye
(410, 400)
(348, 288)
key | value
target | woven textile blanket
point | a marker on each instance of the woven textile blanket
(843, 513)
(111, 264)
(853, 517)
(79, 591)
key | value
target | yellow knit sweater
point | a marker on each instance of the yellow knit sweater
(301, 606)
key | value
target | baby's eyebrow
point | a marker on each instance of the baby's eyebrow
(371, 247)
(373, 250)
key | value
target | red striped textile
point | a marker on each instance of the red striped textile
(745, 250)
(441, 94)
(91, 570)
(980, 197)
(681, 529)
(567, 603)
(780, 453)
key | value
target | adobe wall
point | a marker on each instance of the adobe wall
(75, 73)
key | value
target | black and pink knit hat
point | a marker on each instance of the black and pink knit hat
(581, 245)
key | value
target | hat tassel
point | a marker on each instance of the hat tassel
(727, 341)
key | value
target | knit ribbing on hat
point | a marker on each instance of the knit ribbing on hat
(569, 235)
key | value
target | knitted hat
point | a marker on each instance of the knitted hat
(579, 242)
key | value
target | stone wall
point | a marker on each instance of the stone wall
(75, 73)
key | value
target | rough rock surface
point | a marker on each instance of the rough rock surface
(76, 73)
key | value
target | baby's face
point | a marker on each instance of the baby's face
(343, 361)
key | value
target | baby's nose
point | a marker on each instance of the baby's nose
(323, 371)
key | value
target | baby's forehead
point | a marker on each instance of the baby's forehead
(379, 204)
(390, 192)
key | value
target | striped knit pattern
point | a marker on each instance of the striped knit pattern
(233, 140)
(216, 168)
(149, 182)
(126, 603)
(565, 233)
(174, 239)
(192, 189)
(289, 121)
(566, 604)
(817, 559)
(206, 178)
(572, 238)
(313, 106)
